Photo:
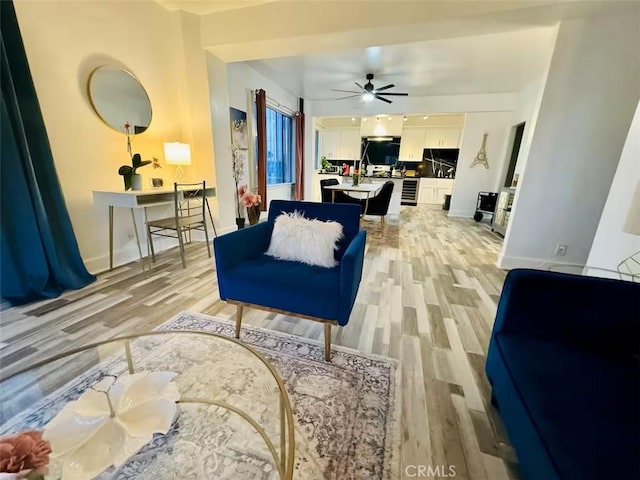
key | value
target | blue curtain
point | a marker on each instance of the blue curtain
(39, 256)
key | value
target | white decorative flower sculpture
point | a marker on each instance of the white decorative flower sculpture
(111, 422)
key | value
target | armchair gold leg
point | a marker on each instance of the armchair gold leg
(383, 217)
(327, 342)
(238, 320)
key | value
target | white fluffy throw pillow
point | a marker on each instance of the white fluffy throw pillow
(301, 239)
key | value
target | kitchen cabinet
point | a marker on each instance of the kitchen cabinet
(340, 144)
(442, 138)
(412, 144)
(349, 145)
(433, 190)
(330, 144)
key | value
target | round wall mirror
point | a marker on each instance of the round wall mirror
(118, 98)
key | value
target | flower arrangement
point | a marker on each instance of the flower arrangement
(238, 171)
(24, 456)
(252, 203)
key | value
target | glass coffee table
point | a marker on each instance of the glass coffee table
(233, 419)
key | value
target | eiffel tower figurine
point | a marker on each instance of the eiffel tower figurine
(481, 157)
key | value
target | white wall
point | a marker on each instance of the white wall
(242, 79)
(611, 245)
(64, 42)
(591, 91)
(495, 102)
(527, 108)
(470, 181)
(221, 123)
(229, 87)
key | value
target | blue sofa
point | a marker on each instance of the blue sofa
(564, 367)
(248, 277)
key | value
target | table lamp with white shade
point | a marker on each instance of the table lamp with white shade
(631, 265)
(178, 154)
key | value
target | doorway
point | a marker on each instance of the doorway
(515, 150)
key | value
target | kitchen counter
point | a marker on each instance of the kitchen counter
(388, 176)
(382, 177)
(429, 190)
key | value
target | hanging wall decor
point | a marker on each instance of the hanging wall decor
(239, 154)
(481, 157)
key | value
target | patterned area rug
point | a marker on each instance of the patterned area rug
(346, 413)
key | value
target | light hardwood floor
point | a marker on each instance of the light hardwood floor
(428, 297)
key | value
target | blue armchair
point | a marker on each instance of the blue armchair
(248, 277)
(564, 366)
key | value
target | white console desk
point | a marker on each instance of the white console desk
(133, 199)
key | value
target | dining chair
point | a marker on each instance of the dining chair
(189, 203)
(329, 196)
(379, 204)
(326, 194)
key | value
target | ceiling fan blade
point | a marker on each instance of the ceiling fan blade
(382, 98)
(396, 94)
(360, 86)
(386, 87)
(345, 91)
(350, 96)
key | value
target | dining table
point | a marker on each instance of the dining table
(366, 189)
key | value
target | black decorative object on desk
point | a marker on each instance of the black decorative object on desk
(129, 172)
(132, 180)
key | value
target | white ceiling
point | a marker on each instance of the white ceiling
(494, 63)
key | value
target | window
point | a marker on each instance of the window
(280, 166)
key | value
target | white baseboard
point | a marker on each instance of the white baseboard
(224, 230)
(129, 252)
(509, 263)
(121, 256)
(461, 213)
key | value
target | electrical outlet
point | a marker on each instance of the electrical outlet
(130, 236)
(561, 250)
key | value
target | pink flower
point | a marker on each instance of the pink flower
(247, 199)
(23, 453)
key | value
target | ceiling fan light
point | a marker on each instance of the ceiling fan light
(367, 97)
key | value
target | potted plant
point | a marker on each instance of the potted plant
(325, 164)
(132, 180)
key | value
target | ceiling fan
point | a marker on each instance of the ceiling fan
(368, 92)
